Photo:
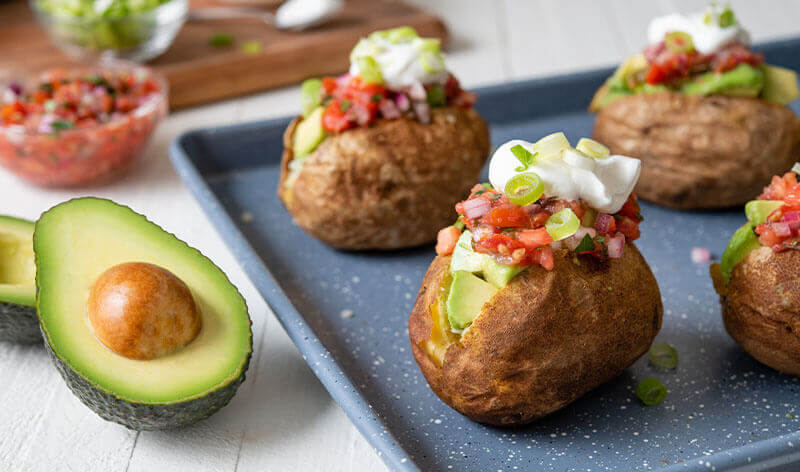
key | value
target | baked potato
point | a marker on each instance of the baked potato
(537, 294)
(758, 277)
(386, 186)
(540, 343)
(700, 152)
(702, 110)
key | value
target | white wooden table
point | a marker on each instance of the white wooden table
(282, 419)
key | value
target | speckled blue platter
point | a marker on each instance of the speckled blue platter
(348, 312)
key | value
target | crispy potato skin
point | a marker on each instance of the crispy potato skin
(701, 152)
(761, 308)
(388, 186)
(544, 340)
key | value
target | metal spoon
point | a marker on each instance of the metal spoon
(294, 15)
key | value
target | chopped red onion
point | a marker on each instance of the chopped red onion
(343, 80)
(615, 245)
(603, 223)
(402, 102)
(423, 112)
(361, 114)
(476, 207)
(417, 91)
(791, 216)
(389, 110)
(573, 241)
(481, 232)
(700, 255)
(781, 229)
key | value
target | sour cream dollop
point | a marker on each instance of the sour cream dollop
(708, 38)
(402, 63)
(604, 184)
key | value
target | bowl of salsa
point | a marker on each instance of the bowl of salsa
(69, 127)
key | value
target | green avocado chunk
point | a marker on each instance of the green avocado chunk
(18, 322)
(741, 81)
(468, 293)
(498, 274)
(780, 85)
(308, 134)
(77, 241)
(757, 211)
(741, 243)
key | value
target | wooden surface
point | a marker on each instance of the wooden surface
(201, 73)
(282, 419)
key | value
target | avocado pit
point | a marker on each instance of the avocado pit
(142, 311)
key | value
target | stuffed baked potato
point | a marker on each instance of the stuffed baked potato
(382, 153)
(537, 294)
(702, 111)
(758, 279)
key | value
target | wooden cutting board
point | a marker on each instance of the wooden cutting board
(200, 73)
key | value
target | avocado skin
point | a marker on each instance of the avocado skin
(19, 324)
(144, 417)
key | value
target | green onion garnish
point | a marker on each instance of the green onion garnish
(651, 391)
(524, 156)
(562, 224)
(402, 34)
(524, 189)
(586, 245)
(679, 42)
(369, 71)
(663, 355)
(436, 96)
(551, 146)
(310, 95)
(62, 125)
(221, 40)
(592, 148)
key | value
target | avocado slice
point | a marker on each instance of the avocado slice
(77, 241)
(741, 243)
(498, 274)
(308, 134)
(18, 322)
(780, 85)
(468, 293)
(757, 211)
(741, 81)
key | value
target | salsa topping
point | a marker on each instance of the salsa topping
(60, 102)
(781, 230)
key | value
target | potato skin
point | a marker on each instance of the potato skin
(391, 185)
(701, 152)
(761, 307)
(544, 340)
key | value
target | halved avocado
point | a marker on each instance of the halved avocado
(18, 322)
(77, 241)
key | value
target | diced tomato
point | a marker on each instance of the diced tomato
(334, 119)
(791, 200)
(508, 217)
(629, 227)
(493, 243)
(631, 207)
(767, 236)
(329, 85)
(544, 257)
(446, 240)
(534, 238)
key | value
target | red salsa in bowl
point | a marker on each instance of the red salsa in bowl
(79, 126)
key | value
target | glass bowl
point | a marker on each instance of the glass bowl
(86, 155)
(132, 36)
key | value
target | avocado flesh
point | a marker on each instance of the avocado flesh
(780, 85)
(308, 134)
(757, 211)
(741, 81)
(468, 293)
(741, 243)
(18, 322)
(465, 258)
(77, 241)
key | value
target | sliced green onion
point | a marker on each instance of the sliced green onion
(436, 96)
(50, 106)
(403, 34)
(432, 45)
(562, 224)
(663, 355)
(310, 95)
(459, 223)
(678, 42)
(726, 18)
(524, 189)
(551, 146)
(430, 62)
(221, 40)
(796, 168)
(592, 148)
(369, 71)
(651, 392)
(524, 156)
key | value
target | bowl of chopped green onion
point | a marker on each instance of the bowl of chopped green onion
(135, 30)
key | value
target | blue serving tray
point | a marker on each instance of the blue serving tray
(347, 312)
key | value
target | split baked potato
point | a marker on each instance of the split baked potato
(541, 342)
(700, 152)
(386, 186)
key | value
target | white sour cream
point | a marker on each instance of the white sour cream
(708, 38)
(402, 64)
(604, 184)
